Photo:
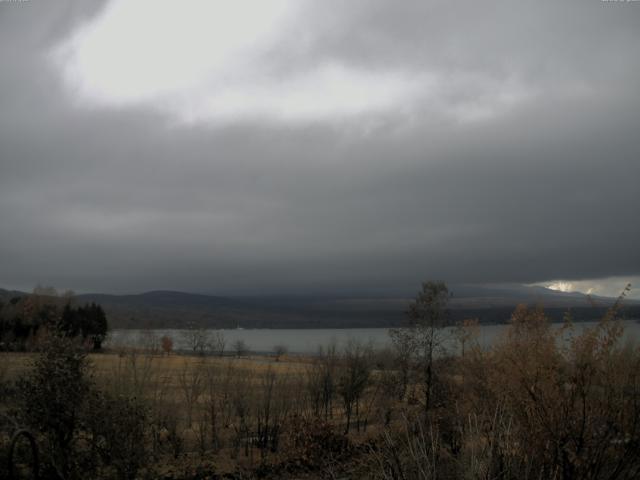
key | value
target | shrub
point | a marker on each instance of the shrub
(167, 344)
(52, 397)
(81, 430)
(573, 399)
(118, 425)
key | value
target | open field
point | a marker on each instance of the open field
(104, 364)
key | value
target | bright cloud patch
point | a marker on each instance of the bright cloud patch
(608, 287)
(330, 90)
(144, 49)
(561, 286)
(220, 61)
(210, 60)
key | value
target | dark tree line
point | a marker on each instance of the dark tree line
(25, 321)
(88, 322)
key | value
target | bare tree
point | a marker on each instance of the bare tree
(354, 378)
(197, 339)
(321, 379)
(403, 351)
(243, 404)
(133, 372)
(218, 402)
(191, 381)
(424, 335)
(149, 342)
(389, 387)
(240, 347)
(280, 350)
(466, 332)
(264, 410)
(218, 342)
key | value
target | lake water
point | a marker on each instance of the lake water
(307, 341)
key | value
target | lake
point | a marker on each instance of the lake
(307, 341)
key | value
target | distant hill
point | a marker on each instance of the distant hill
(7, 294)
(491, 304)
(488, 303)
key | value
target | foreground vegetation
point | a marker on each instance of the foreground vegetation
(541, 403)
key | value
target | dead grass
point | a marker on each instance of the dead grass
(14, 364)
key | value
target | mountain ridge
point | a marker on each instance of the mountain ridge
(176, 309)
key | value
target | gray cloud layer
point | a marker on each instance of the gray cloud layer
(544, 188)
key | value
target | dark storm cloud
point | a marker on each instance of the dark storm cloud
(466, 186)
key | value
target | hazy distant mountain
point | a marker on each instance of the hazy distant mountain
(511, 295)
(489, 303)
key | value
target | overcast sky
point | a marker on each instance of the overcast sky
(247, 147)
